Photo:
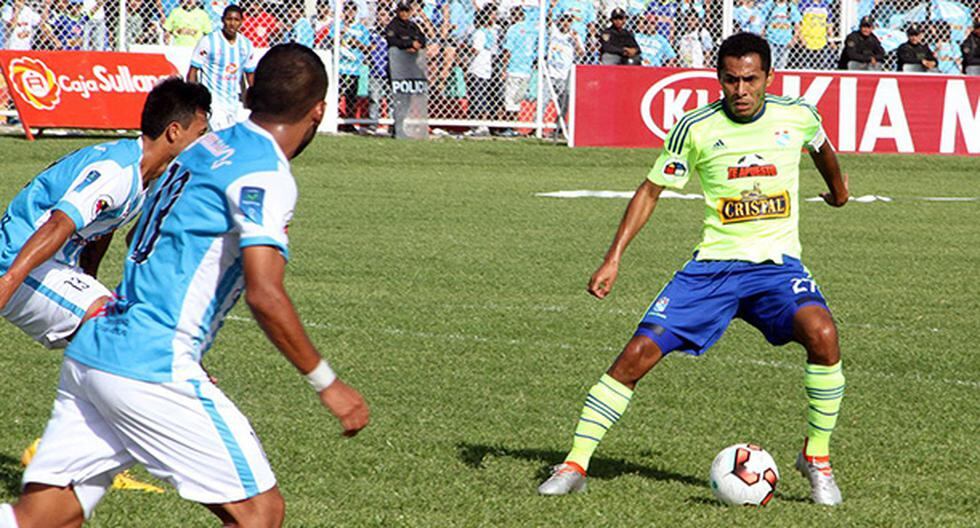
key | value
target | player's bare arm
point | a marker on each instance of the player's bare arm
(194, 75)
(826, 162)
(91, 257)
(42, 245)
(637, 214)
(265, 294)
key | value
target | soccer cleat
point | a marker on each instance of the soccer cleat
(125, 481)
(565, 478)
(824, 489)
(29, 452)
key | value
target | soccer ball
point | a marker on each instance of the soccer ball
(744, 474)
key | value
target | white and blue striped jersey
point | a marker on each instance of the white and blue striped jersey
(99, 187)
(230, 190)
(223, 64)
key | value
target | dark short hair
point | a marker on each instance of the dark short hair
(173, 100)
(289, 80)
(742, 44)
(232, 8)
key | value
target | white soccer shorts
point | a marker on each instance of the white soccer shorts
(225, 115)
(52, 302)
(187, 433)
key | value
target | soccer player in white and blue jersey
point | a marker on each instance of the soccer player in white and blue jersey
(132, 389)
(221, 61)
(55, 231)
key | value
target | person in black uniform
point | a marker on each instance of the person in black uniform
(862, 50)
(617, 44)
(402, 33)
(971, 50)
(915, 55)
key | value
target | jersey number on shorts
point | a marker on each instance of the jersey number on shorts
(163, 201)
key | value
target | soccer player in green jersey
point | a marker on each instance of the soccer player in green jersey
(745, 148)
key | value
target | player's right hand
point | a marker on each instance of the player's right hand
(602, 280)
(347, 405)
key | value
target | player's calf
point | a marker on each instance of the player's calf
(637, 358)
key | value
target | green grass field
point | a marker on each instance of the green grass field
(438, 284)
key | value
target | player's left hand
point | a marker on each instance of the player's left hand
(838, 201)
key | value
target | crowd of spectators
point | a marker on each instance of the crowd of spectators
(486, 51)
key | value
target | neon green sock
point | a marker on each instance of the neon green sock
(824, 392)
(605, 403)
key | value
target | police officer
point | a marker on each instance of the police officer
(862, 50)
(915, 55)
(971, 51)
(402, 33)
(617, 44)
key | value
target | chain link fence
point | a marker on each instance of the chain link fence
(493, 66)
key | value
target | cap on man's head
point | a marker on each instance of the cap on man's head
(867, 22)
(403, 6)
(617, 13)
(913, 30)
(76, 1)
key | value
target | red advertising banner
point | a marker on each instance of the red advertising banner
(629, 106)
(81, 89)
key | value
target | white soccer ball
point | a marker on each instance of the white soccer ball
(744, 474)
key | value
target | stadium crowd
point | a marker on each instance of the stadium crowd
(485, 52)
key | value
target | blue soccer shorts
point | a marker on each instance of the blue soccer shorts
(696, 306)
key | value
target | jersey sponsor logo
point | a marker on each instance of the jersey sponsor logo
(661, 305)
(751, 166)
(231, 69)
(213, 144)
(35, 83)
(250, 201)
(753, 205)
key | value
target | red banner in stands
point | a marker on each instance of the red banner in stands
(81, 89)
(629, 106)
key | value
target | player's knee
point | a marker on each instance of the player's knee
(821, 343)
(270, 511)
(639, 355)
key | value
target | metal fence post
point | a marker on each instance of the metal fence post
(539, 110)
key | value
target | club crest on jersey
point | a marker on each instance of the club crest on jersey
(674, 169)
(103, 203)
(250, 201)
(753, 205)
(783, 138)
(752, 166)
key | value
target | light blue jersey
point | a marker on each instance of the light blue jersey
(98, 187)
(521, 42)
(230, 190)
(655, 50)
(223, 64)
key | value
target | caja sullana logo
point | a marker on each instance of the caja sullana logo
(34, 82)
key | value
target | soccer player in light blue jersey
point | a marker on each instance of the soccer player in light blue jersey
(132, 389)
(56, 230)
(221, 61)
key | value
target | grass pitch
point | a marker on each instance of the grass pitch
(438, 284)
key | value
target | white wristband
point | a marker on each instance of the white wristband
(321, 377)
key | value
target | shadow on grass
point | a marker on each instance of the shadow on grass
(474, 456)
(10, 473)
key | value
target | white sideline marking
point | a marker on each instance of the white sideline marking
(565, 346)
(667, 193)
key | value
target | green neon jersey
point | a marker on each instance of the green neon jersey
(749, 174)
